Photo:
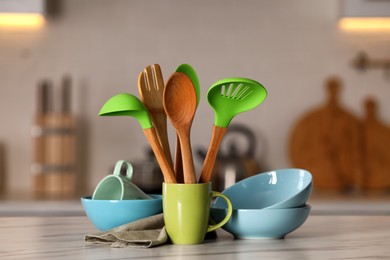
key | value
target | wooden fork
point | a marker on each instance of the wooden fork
(151, 89)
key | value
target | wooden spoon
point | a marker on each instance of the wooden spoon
(178, 163)
(179, 101)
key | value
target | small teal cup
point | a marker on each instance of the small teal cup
(118, 187)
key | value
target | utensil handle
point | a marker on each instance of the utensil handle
(208, 165)
(178, 167)
(166, 169)
(160, 125)
(188, 162)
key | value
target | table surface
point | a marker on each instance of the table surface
(320, 237)
(320, 205)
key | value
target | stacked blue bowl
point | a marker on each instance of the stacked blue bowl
(266, 205)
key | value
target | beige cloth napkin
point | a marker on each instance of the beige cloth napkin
(145, 233)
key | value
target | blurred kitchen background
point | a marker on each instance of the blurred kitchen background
(328, 86)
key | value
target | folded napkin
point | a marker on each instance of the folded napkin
(145, 233)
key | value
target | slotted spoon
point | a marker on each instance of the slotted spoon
(228, 97)
(129, 105)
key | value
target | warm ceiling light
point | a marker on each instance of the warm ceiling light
(365, 24)
(22, 13)
(365, 15)
(30, 20)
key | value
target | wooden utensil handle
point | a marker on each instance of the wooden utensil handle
(160, 124)
(166, 169)
(178, 167)
(216, 138)
(188, 163)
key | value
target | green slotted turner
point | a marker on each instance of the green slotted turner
(228, 97)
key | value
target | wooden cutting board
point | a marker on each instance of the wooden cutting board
(327, 142)
(376, 136)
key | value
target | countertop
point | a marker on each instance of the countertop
(321, 205)
(352, 227)
(320, 237)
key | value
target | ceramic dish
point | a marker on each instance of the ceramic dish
(107, 214)
(262, 223)
(284, 188)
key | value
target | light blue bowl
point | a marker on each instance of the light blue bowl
(107, 214)
(262, 223)
(284, 188)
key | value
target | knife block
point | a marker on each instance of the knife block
(2, 170)
(54, 164)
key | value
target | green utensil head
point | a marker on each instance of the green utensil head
(127, 105)
(190, 72)
(231, 96)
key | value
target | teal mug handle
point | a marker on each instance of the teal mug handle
(129, 169)
(228, 215)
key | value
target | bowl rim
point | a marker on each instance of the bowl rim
(276, 170)
(154, 197)
(304, 207)
(308, 185)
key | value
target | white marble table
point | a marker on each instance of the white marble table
(321, 237)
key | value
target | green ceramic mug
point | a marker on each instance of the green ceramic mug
(187, 209)
(118, 187)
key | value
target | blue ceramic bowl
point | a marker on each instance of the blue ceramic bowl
(262, 223)
(284, 188)
(107, 214)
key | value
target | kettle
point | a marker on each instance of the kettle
(147, 174)
(234, 161)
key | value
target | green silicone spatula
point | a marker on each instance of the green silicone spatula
(129, 105)
(178, 163)
(228, 97)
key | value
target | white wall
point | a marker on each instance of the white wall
(289, 46)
